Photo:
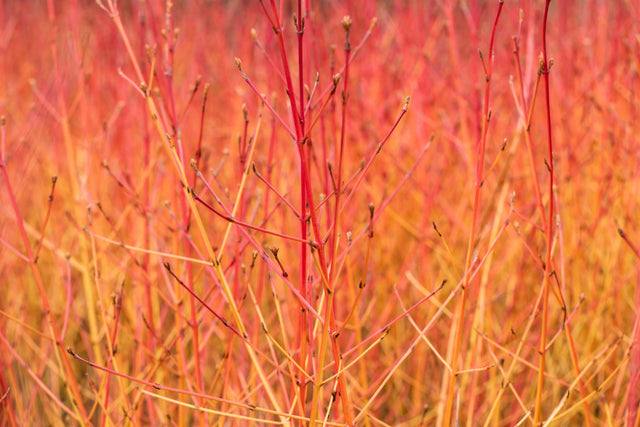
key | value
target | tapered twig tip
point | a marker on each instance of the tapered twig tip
(346, 22)
(406, 103)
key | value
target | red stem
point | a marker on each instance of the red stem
(549, 227)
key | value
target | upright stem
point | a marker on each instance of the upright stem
(302, 337)
(308, 205)
(479, 173)
(329, 329)
(549, 226)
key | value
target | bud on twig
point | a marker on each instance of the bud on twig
(346, 23)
